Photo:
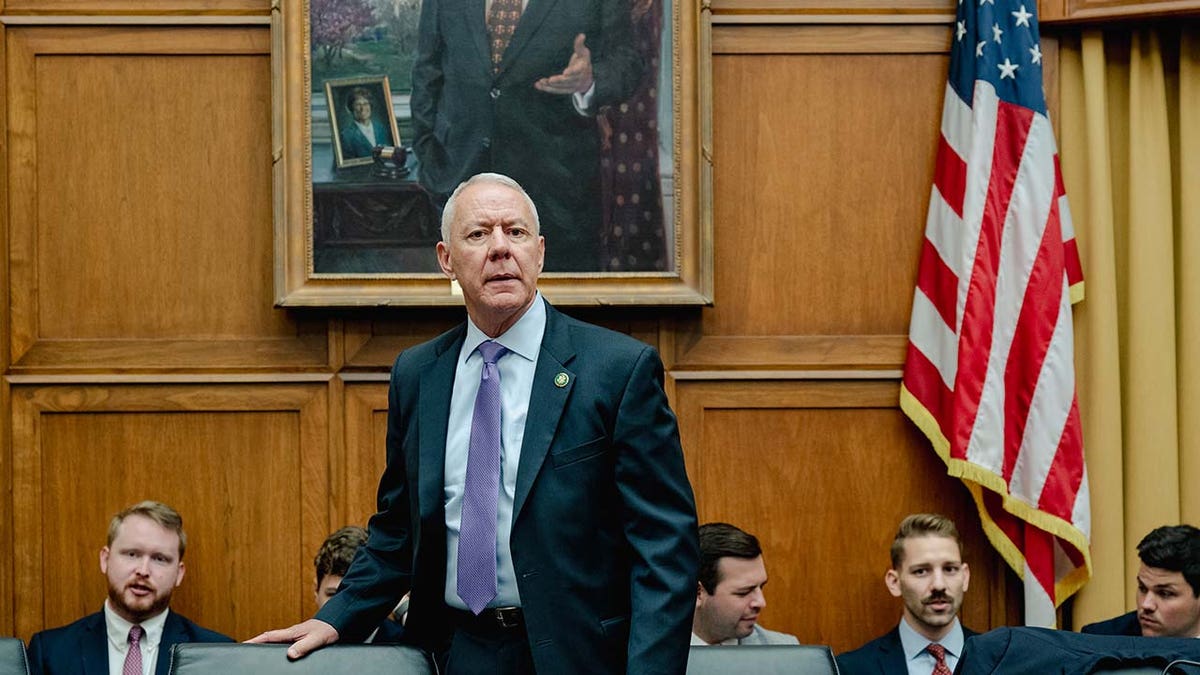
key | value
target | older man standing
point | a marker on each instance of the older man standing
(535, 500)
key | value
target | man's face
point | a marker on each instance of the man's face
(731, 610)
(326, 588)
(932, 579)
(1166, 604)
(143, 568)
(362, 109)
(494, 253)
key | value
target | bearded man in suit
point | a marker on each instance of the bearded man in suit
(591, 555)
(143, 563)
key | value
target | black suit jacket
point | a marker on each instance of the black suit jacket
(467, 119)
(604, 525)
(1037, 651)
(1126, 624)
(81, 648)
(883, 656)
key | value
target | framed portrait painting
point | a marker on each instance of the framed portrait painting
(599, 108)
(361, 118)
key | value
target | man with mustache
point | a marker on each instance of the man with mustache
(928, 574)
(133, 634)
(729, 595)
(1168, 587)
(535, 500)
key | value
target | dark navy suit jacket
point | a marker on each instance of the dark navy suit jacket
(1126, 624)
(603, 538)
(81, 648)
(882, 656)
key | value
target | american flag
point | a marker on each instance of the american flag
(990, 374)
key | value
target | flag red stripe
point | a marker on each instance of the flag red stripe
(1031, 339)
(939, 283)
(975, 341)
(924, 382)
(1039, 556)
(1066, 471)
(1071, 262)
(950, 176)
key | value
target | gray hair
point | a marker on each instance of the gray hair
(494, 178)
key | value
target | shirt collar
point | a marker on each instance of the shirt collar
(118, 628)
(914, 643)
(524, 337)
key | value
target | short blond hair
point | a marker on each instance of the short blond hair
(922, 525)
(160, 513)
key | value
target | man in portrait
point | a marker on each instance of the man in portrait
(134, 632)
(516, 91)
(535, 499)
(362, 131)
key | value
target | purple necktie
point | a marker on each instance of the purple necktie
(133, 657)
(477, 531)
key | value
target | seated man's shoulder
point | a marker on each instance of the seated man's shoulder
(858, 660)
(196, 632)
(51, 635)
(1125, 624)
(766, 636)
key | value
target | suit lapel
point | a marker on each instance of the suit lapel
(533, 16)
(547, 400)
(434, 409)
(892, 660)
(173, 634)
(94, 650)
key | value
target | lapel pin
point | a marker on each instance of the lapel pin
(561, 380)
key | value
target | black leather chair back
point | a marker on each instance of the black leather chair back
(762, 660)
(12, 657)
(230, 659)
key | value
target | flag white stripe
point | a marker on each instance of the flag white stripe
(933, 338)
(942, 230)
(979, 171)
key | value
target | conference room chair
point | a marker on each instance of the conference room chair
(762, 660)
(12, 657)
(231, 658)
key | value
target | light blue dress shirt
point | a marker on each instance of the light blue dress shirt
(523, 341)
(921, 662)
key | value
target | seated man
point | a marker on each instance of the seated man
(143, 563)
(1168, 583)
(332, 561)
(928, 574)
(729, 595)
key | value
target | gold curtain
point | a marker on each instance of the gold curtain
(1130, 137)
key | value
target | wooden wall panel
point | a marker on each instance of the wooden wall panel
(246, 466)
(140, 167)
(366, 405)
(822, 473)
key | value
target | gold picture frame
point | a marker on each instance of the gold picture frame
(305, 277)
(351, 147)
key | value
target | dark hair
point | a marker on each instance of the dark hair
(167, 518)
(338, 550)
(922, 525)
(358, 92)
(722, 540)
(1175, 548)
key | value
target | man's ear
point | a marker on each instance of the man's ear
(104, 560)
(443, 256)
(892, 579)
(966, 572)
(699, 593)
(179, 577)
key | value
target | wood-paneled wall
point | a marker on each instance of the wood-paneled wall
(143, 357)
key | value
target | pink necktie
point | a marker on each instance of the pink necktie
(939, 653)
(133, 657)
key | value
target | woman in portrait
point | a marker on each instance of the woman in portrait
(362, 132)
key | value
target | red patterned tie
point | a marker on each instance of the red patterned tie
(502, 20)
(133, 657)
(939, 653)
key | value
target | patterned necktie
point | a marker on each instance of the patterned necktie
(939, 653)
(502, 19)
(477, 532)
(133, 657)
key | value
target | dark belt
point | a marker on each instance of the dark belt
(491, 621)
